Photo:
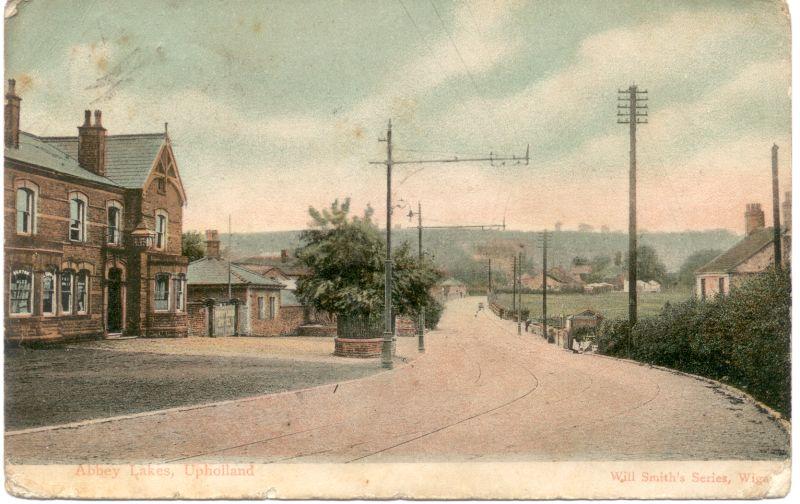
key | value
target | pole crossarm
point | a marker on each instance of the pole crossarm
(455, 159)
(475, 226)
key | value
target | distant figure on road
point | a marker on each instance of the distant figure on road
(480, 307)
(527, 324)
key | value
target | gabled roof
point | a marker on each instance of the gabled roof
(736, 255)
(129, 158)
(35, 151)
(211, 271)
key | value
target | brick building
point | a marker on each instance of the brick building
(92, 233)
(254, 306)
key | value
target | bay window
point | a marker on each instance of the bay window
(81, 293)
(162, 292)
(180, 298)
(21, 302)
(48, 293)
(66, 291)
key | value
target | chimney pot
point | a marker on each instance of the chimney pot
(98, 116)
(87, 118)
(11, 85)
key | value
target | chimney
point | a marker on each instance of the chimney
(787, 211)
(212, 244)
(284, 255)
(753, 218)
(92, 143)
(12, 116)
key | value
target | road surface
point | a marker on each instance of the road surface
(481, 392)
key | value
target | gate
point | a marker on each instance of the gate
(224, 320)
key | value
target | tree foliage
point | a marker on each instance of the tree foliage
(346, 257)
(192, 245)
(742, 338)
(648, 265)
(693, 262)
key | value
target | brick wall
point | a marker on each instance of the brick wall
(362, 348)
(197, 314)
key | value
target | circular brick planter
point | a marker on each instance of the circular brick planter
(360, 347)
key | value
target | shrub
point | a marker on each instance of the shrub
(433, 313)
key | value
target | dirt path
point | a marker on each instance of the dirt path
(480, 392)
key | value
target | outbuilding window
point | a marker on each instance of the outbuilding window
(21, 292)
(262, 310)
(162, 292)
(273, 308)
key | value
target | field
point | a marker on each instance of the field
(610, 304)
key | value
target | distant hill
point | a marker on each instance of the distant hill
(463, 250)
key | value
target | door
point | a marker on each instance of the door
(114, 322)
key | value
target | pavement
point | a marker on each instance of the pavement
(480, 392)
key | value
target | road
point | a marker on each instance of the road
(480, 392)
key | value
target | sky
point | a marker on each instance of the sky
(275, 106)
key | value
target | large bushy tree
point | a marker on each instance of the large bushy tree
(693, 262)
(346, 257)
(648, 265)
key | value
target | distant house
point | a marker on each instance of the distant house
(452, 289)
(256, 307)
(750, 256)
(557, 280)
(580, 272)
(642, 286)
(598, 288)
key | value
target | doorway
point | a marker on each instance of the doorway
(114, 313)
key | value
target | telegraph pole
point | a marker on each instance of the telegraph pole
(776, 208)
(629, 111)
(386, 349)
(230, 250)
(514, 286)
(519, 290)
(544, 286)
(421, 338)
(490, 277)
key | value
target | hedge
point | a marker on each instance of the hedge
(743, 338)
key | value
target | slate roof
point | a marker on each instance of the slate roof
(209, 271)
(292, 267)
(35, 151)
(129, 158)
(736, 255)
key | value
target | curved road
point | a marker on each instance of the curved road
(480, 392)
